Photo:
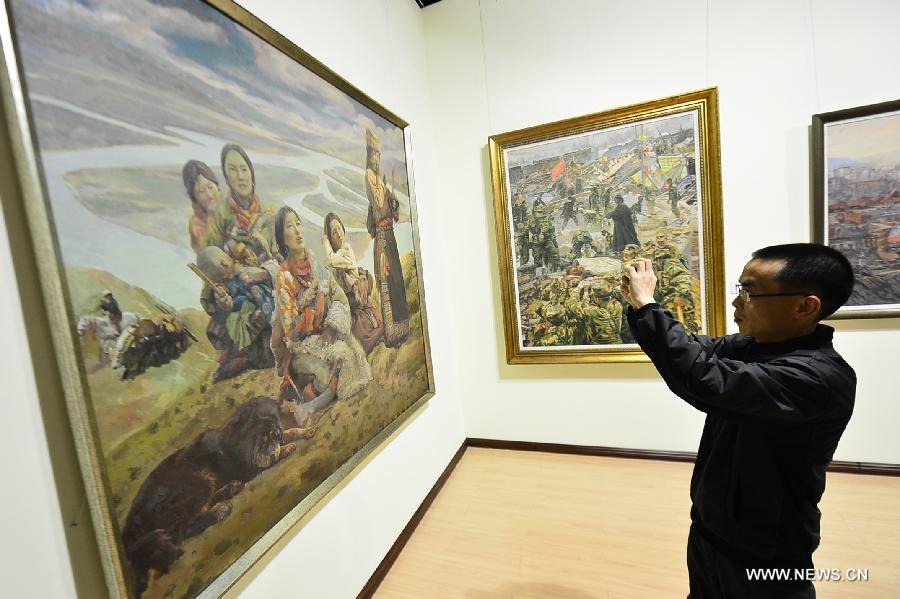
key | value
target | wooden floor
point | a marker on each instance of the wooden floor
(537, 525)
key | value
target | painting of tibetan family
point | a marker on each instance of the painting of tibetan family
(273, 303)
(237, 241)
(308, 320)
(582, 208)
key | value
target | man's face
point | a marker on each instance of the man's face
(764, 318)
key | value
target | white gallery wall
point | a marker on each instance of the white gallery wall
(500, 65)
(379, 46)
(460, 71)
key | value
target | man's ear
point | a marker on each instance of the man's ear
(810, 306)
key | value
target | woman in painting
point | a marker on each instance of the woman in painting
(241, 225)
(202, 188)
(319, 359)
(384, 211)
(355, 281)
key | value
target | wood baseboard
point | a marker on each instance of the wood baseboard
(668, 456)
(391, 556)
(591, 450)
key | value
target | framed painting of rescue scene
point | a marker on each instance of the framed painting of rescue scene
(575, 201)
(228, 250)
(856, 201)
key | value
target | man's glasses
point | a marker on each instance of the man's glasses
(745, 295)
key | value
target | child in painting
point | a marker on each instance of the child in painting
(355, 280)
(240, 305)
(202, 188)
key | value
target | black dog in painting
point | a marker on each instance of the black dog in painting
(189, 491)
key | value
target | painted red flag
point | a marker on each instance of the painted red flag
(558, 170)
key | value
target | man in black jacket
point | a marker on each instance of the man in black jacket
(777, 398)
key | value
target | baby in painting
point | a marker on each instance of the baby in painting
(240, 303)
(244, 284)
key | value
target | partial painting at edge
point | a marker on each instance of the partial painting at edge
(237, 241)
(582, 208)
(863, 204)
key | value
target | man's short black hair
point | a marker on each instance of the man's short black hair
(814, 268)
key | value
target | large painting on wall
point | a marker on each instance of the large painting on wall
(856, 201)
(576, 201)
(227, 241)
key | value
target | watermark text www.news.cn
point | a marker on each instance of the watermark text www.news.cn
(809, 574)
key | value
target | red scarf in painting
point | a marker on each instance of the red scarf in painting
(244, 216)
(312, 315)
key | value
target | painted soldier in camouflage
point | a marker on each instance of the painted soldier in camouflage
(569, 212)
(574, 306)
(543, 336)
(607, 199)
(542, 234)
(638, 206)
(553, 313)
(583, 245)
(594, 198)
(675, 290)
(595, 210)
(630, 253)
(520, 228)
(602, 316)
(673, 197)
(662, 241)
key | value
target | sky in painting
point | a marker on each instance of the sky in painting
(199, 55)
(601, 141)
(874, 141)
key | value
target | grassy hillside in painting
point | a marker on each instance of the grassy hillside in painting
(196, 404)
(124, 406)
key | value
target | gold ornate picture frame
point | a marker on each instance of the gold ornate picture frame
(575, 200)
(227, 247)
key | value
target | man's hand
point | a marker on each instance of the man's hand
(639, 283)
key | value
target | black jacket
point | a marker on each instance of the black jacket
(775, 413)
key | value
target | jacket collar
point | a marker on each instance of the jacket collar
(820, 338)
